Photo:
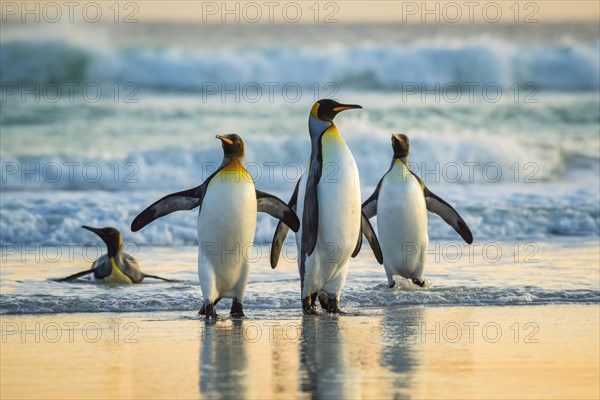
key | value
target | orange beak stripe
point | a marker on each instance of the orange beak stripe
(224, 139)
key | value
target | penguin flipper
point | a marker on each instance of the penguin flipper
(310, 212)
(159, 277)
(369, 207)
(367, 230)
(77, 275)
(282, 230)
(275, 207)
(438, 206)
(359, 243)
(276, 245)
(185, 200)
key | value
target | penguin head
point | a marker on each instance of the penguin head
(233, 145)
(401, 146)
(327, 109)
(110, 236)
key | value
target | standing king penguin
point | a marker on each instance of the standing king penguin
(327, 199)
(115, 266)
(401, 201)
(228, 203)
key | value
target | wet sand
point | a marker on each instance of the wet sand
(547, 351)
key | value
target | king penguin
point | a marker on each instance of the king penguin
(228, 202)
(116, 266)
(401, 201)
(327, 199)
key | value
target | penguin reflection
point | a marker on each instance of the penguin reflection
(325, 368)
(400, 336)
(223, 358)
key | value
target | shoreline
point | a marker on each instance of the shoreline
(563, 272)
(266, 313)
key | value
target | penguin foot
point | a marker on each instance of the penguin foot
(324, 301)
(309, 311)
(237, 309)
(333, 306)
(308, 307)
(210, 311)
(418, 281)
(203, 308)
(392, 284)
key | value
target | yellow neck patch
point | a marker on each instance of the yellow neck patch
(332, 136)
(404, 171)
(116, 275)
(234, 172)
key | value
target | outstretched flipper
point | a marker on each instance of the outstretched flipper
(437, 205)
(282, 230)
(159, 277)
(275, 207)
(434, 203)
(185, 200)
(367, 230)
(77, 275)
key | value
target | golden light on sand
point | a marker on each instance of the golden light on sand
(344, 357)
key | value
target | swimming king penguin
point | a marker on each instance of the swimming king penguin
(115, 266)
(401, 201)
(228, 203)
(327, 199)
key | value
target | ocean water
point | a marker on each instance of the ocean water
(504, 126)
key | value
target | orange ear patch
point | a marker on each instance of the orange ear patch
(314, 110)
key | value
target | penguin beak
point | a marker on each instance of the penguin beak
(97, 231)
(343, 107)
(224, 139)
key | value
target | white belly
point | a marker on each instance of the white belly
(339, 218)
(226, 226)
(402, 224)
